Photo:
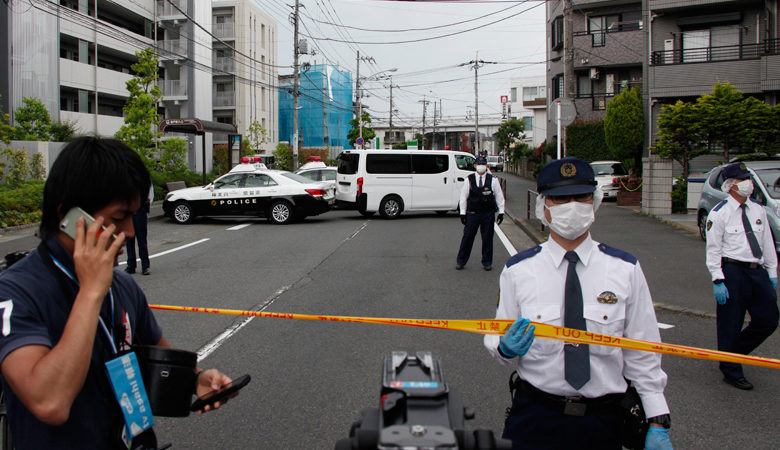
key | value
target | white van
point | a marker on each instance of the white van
(393, 181)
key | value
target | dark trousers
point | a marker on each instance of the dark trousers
(749, 291)
(139, 224)
(475, 221)
(531, 425)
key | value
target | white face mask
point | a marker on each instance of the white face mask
(481, 169)
(571, 220)
(745, 188)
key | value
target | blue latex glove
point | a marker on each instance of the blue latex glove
(774, 283)
(658, 439)
(721, 293)
(517, 339)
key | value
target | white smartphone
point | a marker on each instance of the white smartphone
(68, 223)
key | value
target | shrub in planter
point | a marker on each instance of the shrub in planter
(680, 196)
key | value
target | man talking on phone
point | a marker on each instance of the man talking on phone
(66, 311)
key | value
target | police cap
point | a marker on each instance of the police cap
(481, 160)
(566, 176)
(736, 170)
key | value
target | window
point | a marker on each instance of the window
(513, 95)
(584, 85)
(529, 123)
(599, 26)
(399, 164)
(430, 163)
(313, 175)
(556, 33)
(695, 45)
(258, 180)
(531, 93)
(228, 181)
(557, 87)
(465, 162)
(348, 163)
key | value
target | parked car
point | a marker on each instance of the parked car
(279, 195)
(495, 163)
(766, 184)
(318, 171)
(606, 171)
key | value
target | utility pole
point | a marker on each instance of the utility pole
(477, 63)
(392, 136)
(359, 92)
(295, 87)
(425, 104)
(569, 81)
(433, 141)
(325, 84)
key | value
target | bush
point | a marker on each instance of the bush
(21, 203)
(586, 140)
(628, 183)
(680, 196)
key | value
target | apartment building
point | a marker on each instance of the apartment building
(528, 102)
(244, 59)
(75, 56)
(672, 49)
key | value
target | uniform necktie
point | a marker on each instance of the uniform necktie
(751, 237)
(480, 181)
(576, 357)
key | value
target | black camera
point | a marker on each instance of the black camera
(417, 411)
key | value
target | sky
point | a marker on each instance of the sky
(411, 37)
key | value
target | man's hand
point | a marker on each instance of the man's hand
(94, 258)
(499, 219)
(517, 339)
(463, 219)
(721, 293)
(658, 439)
(774, 283)
(211, 380)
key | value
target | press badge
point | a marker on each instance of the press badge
(125, 376)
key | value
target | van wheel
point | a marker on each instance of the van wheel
(703, 225)
(281, 212)
(391, 207)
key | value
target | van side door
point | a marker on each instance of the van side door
(432, 184)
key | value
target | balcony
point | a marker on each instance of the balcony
(221, 99)
(166, 11)
(535, 102)
(225, 30)
(715, 54)
(173, 89)
(172, 49)
(224, 64)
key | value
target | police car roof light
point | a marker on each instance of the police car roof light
(244, 159)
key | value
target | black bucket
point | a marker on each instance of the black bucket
(169, 378)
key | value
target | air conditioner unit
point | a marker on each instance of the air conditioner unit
(594, 73)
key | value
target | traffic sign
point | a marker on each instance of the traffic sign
(504, 99)
(359, 141)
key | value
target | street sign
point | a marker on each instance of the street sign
(568, 111)
(359, 141)
(504, 99)
(411, 145)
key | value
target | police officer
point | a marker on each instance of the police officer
(742, 261)
(480, 198)
(566, 395)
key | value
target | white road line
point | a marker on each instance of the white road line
(664, 326)
(238, 227)
(504, 240)
(172, 250)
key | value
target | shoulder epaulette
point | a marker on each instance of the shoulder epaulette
(525, 254)
(617, 253)
(719, 205)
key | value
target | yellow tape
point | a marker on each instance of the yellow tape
(499, 327)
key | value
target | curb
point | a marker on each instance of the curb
(682, 310)
(537, 236)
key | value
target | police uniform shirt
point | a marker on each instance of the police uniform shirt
(616, 302)
(726, 236)
(495, 186)
(35, 313)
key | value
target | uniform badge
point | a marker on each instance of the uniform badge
(758, 222)
(709, 225)
(607, 297)
(568, 170)
(742, 166)
(213, 203)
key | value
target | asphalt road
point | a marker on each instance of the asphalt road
(312, 378)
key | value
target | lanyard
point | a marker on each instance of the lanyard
(108, 333)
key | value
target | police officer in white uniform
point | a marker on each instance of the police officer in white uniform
(742, 261)
(565, 395)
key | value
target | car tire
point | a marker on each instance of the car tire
(391, 207)
(182, 212)
(280, 212)
(702, 221)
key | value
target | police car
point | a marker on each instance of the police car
(316, 170)
(251, 190)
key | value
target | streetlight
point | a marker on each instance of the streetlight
(377, 76)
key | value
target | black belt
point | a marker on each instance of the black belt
(571, 405)
(749, 265)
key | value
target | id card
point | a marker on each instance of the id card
(125, 376)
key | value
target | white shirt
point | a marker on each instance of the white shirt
(726, 237)
(495, 186)
(532, 286)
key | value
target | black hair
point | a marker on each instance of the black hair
(91, 172)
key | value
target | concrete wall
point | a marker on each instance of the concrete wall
(656, 185)
(49, 151)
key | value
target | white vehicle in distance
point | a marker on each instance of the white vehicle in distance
(495, 163)
(606, 172)
(278, 195)
(393, 181)
(316, 170)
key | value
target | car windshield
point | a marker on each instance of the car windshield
(492, 158)
(770, 178)
(609, 169)
(296, 177)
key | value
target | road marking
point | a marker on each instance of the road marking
(238, 227)
(504, 240)
(664, 326)
(172, 250)
(217, 342)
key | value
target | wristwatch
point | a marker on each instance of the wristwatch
(665, 420)
(719, 281)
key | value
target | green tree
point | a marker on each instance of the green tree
(422, 143)
(33, 121)
(585, 140)
(624, 127)
(722, 117)
(681, 135)
(761, 126)
(140, 129)
(63, 131)
(283, 156)
(509, 133)
(354, 133)
(258, 136)
(6, 130)
(172, 155)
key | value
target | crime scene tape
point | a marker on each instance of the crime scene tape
(498, 327)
